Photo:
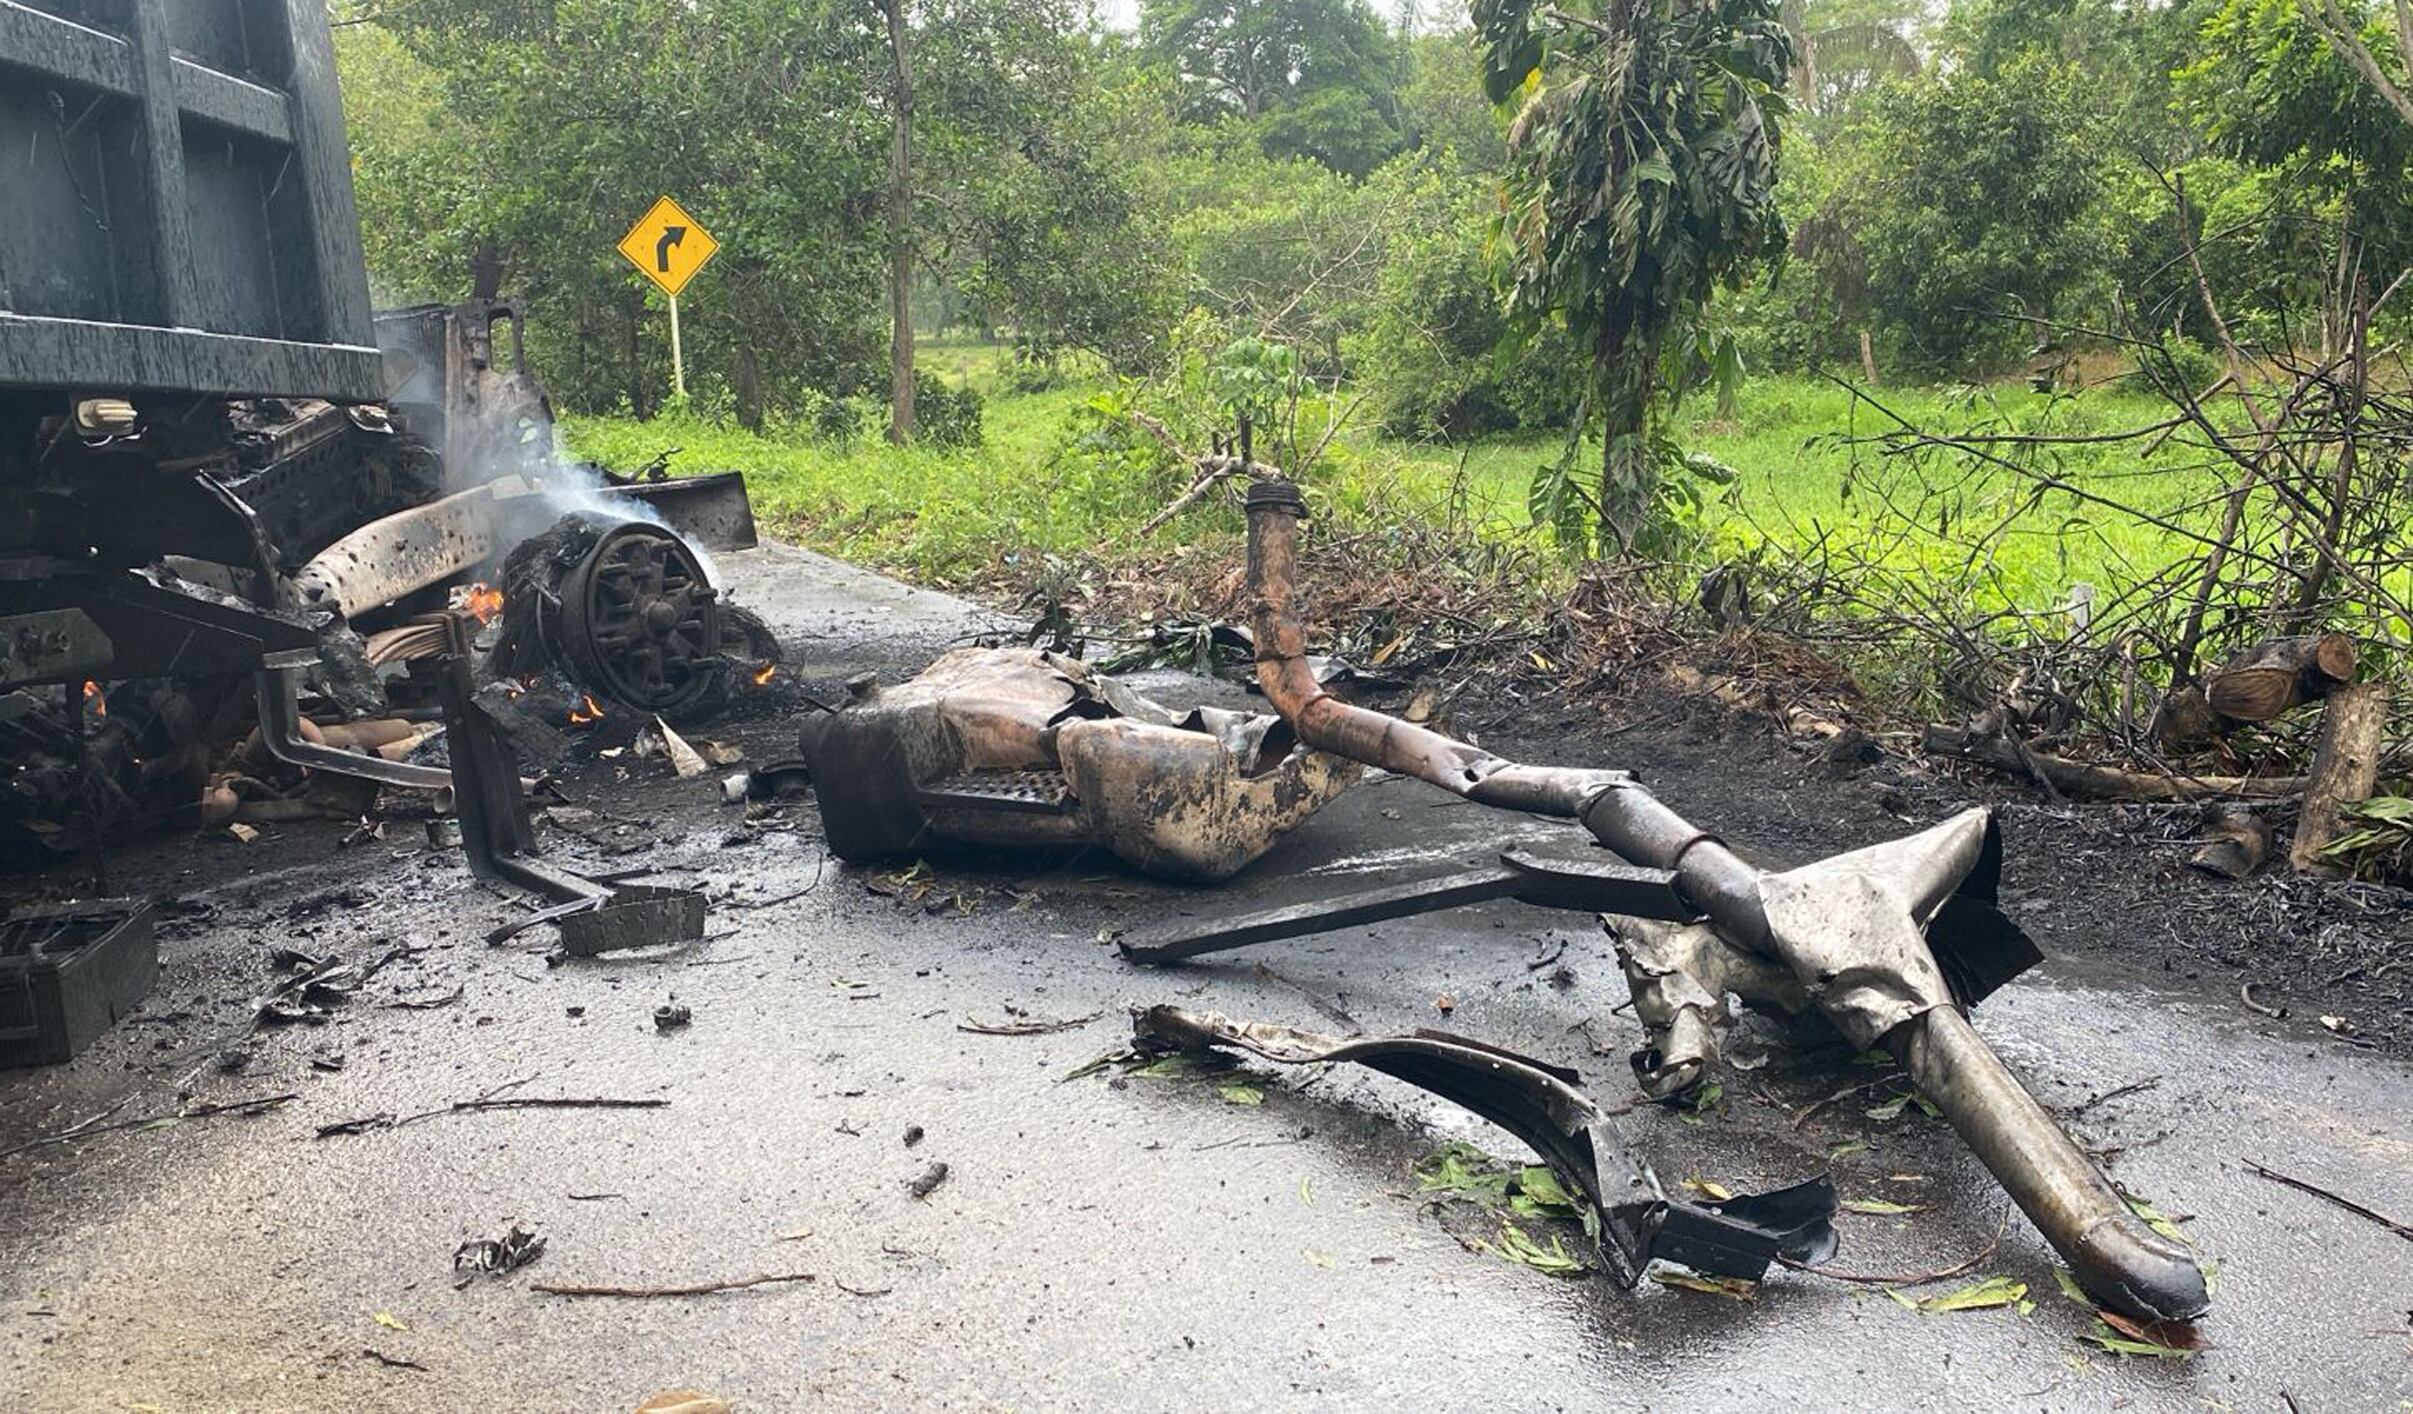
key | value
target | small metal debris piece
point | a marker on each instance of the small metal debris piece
(928, 1182)
(670, 1016)
(494, 1256)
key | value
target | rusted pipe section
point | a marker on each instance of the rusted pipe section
(1852, 930)
(1275, 509)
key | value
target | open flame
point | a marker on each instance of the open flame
(587, 712)
(764, 674)
(482, 601)
(94, 701)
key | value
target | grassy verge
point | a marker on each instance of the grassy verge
(990, 516)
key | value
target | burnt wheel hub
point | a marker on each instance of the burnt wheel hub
(641, 621)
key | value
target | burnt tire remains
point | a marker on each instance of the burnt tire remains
(624, 607)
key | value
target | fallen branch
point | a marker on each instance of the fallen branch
(548, 1102)
(2132, 1088)
(260, 1105)
(1026, 1028)
(2084, 782)
(703, 1288)
(2402, 1230)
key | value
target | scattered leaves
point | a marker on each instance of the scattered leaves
(1238, 1094)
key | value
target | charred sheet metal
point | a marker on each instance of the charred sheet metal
(1016, 746)
(1540, 1104)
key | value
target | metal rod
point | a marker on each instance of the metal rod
(678, 354)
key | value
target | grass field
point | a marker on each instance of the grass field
(978, 516)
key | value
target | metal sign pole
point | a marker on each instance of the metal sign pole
(678, 357)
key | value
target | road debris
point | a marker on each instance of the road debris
(2401, 1229)
(927, 1182)
(1025, 1026)
(495, 1256)
(1889, 944)
(1635, 1220)
(672, 1016)
(391, 1362)
(1024, 747)
(703, 1288)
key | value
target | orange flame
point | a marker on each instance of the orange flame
(587, 711)
(482, 601)
(764, 674)
(94, 701)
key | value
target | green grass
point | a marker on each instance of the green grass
(984, 515)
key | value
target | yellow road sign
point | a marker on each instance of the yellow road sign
(669, 246)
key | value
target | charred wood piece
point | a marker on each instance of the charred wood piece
(2269, 679)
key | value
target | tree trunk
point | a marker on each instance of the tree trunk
(2264, 681)
(2344, 769)
(901, 425)
(636, 364)
(749, 389)
(1868, 359)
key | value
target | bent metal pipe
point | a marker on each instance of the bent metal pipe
(1852, 929)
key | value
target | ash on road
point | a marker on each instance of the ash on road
(1106, 1241)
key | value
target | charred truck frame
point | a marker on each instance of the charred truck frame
(224, 480)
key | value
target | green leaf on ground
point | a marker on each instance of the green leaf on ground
(1879, 1207)
(1889, 1109)
(1732, 1288)
(1518, 1245)
(2071, 1289)
(1237, 1094)
(1847, 1148)
(1977, 1296)
(2156, 1219)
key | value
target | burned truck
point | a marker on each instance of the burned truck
(225, 483)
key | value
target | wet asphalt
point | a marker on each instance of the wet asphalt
(1106, 1241)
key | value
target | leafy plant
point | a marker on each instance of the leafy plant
(1642, 178)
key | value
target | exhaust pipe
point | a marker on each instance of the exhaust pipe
(1853, 929)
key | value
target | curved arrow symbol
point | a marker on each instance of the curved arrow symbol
(672, 238)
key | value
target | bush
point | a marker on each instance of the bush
(1435, 359)
(946, 416)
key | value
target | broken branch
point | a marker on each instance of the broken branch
(702, 1288)
(2402, 1230)
(2084, 782)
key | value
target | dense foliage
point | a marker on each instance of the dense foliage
(1527, 218)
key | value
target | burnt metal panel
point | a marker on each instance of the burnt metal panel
(177, 173)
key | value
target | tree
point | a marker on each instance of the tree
(1310, 78)
(1642, 176)
(1978, 203)
(900, 223)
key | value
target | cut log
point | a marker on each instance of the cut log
(2079, 781)
(2345, 768)
(2236, 841)
(2264, 681)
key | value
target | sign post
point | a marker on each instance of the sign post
(670, 247)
